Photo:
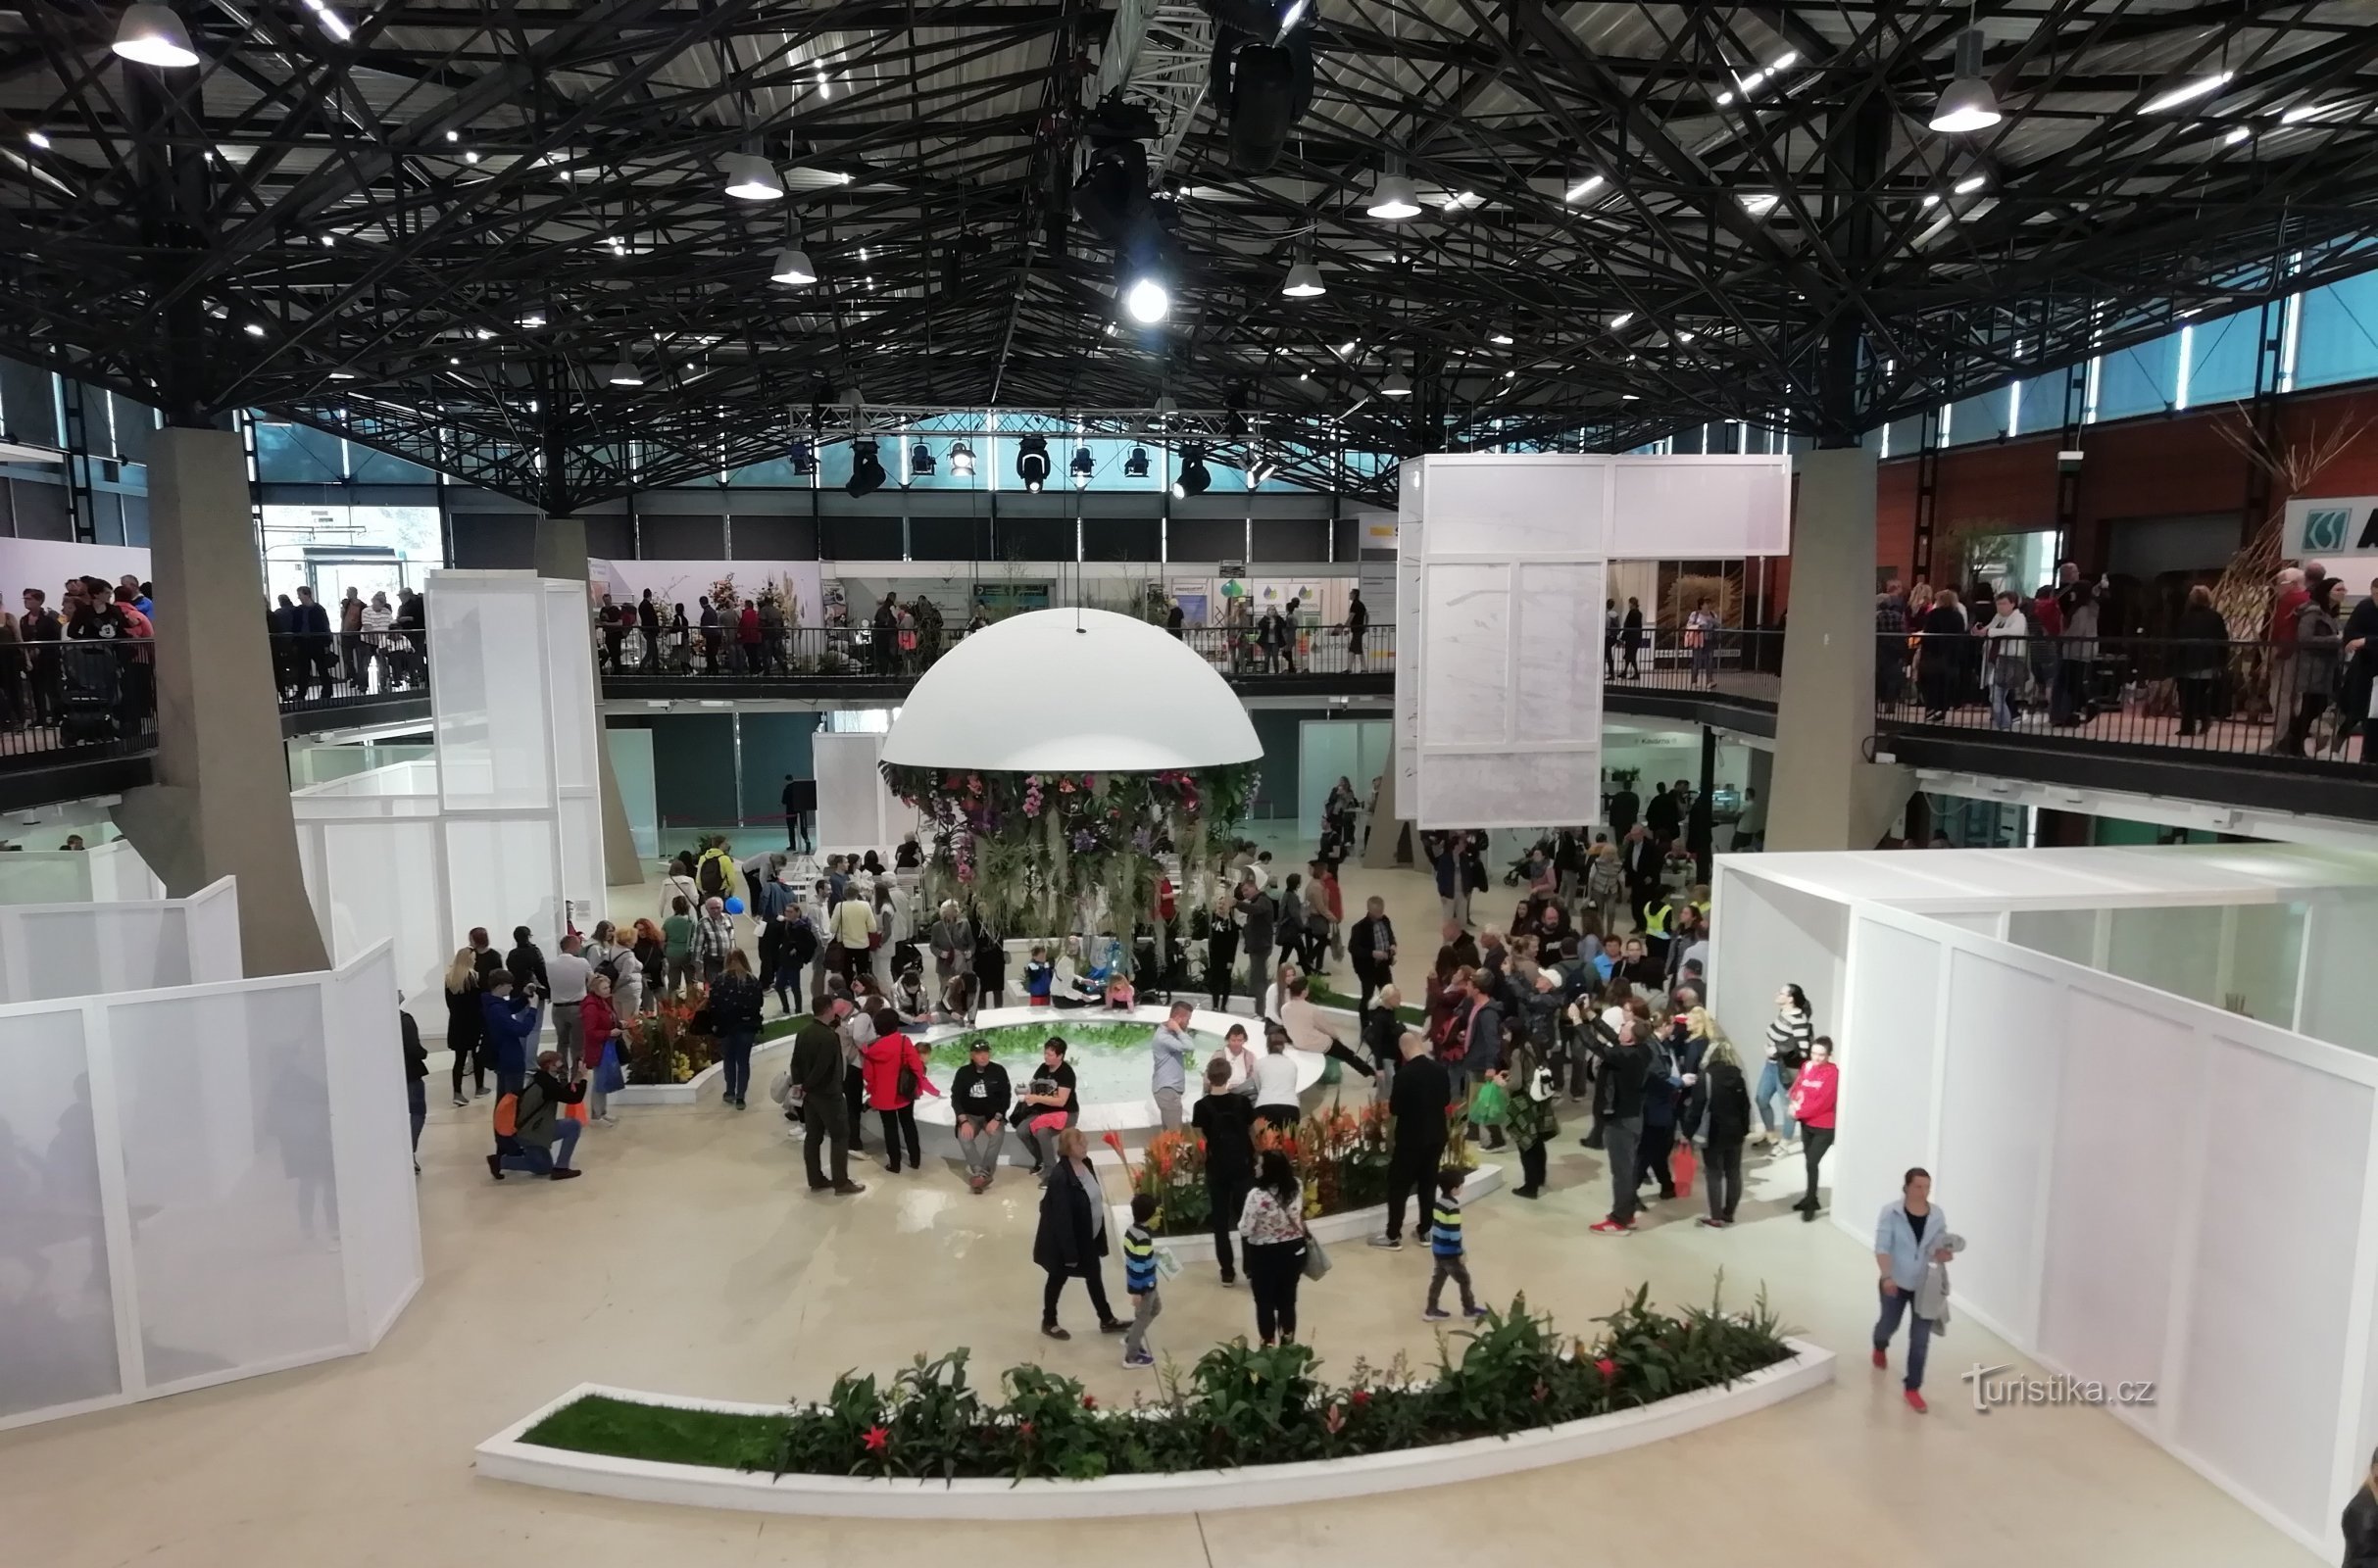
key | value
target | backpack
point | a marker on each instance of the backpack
(711, 876)
(801, 940)
(507, 1115)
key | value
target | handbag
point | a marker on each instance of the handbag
(1316, 1261)
(702, 1022)
(905, 1086)
(610, 1076)
(1682, 1166)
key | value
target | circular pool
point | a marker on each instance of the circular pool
(1111, 1055)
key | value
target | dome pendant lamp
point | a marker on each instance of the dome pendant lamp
(1969, 105)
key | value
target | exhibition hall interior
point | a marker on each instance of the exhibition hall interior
(1190, 780)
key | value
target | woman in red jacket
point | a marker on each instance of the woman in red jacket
(884, 1062)
(598, 1022)
(1813, 1098)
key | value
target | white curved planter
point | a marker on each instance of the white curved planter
(505, 1458)
(1356, 1224)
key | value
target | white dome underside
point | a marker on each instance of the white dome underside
(1071, 691)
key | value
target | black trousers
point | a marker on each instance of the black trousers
(900, 1127)
(1722, 1169)
(823, 1122)
(1275, 1269)
(1813, 1142)
(1220, 958)
(1652, 1159)
(1227, 1192)
(1091, 1280)
(2195, 703)
(853, 1104)
(1412, 1170)
(1531, 1167)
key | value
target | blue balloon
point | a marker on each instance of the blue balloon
(734, 905)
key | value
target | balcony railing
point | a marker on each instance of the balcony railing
(839, 654)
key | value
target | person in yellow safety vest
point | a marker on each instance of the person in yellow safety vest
(1655, 915)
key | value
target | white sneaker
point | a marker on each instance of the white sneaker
(608, 1119)
(1787, 1147)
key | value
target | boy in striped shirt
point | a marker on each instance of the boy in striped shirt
(1445, 1242)
(1139, 1279)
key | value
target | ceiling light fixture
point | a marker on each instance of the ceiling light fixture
(751, 178)
(1969, 105)
(335, 25)
(1135, 466)
(342, 376)
(1583, 188)
(921, 460)
(2188, 93)
(1397, 385)
(625, 373)
(962, 460)
(1501, 339)
(253, 328)
(1621, 319)
(1304, 283)
(793, 268)
(1971, 183)
(1392, 199)
(2236, 137)
(470, 157)
(38, 139)
(1032, 462)
(153, 35)
(1757, 203)
(531, 320)
(1085, 468)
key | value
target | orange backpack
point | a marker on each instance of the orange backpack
(507, 1115)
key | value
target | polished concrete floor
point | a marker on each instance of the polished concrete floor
(691, 1260)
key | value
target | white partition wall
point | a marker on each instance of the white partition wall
(201, 1183)
(2153, 1190)
(110, 871)
(855, 810)
(1499, 586)
(54, 951)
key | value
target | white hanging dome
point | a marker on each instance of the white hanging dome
(1075, 691)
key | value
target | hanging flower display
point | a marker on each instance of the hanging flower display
(1059, 852)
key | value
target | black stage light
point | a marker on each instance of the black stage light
(1032, 462)
(805, 459)
(1135, 466)
(1194, 477)
(1085, 466)
(867, 469)
(920, 459)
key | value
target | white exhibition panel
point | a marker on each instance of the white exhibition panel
(1502, 571)
(1764, 936)
(206, 1183)
(50, 952)
(1412, 633)
(110, 871)
(856, 810)
(2113, 1154)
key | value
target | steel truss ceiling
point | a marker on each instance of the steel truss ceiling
(435, 234)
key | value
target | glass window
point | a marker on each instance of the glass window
(293, 453)
(2145, 379)
(2221, 358)
(2339, 340)
(1981, 417)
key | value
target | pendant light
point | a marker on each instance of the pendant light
(1304, 283)
(1392, 199)
(750, 177)
(1397, 384)
(1969, 105)
(793, 268)
(153, 35)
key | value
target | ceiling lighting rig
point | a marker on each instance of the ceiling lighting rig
(1263, 75)
(1113, 198)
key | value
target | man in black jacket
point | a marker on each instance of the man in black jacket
(817, 1069)
(1664, 815)
(1371, 944)
(980, 1095)
(1416, 1107)
(1625, 1063)
(1624, 807)
(1642, 857)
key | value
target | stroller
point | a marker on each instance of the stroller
(90, 684)
(1516, 872)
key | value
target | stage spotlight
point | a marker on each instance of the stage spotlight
(1194, 477)
(1135, 466)
(867, 469)
(1085, 466)
(921, 460)
(962, 460)
(1032, 462)
(804, 458)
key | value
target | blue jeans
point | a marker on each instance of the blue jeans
(735, 1050)
(537, 1161)
(2001, 705)
(1896, 1306)
(1773, 1100)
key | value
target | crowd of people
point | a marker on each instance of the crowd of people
(362, 645)
(86, 693)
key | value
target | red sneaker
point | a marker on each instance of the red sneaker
(1881, 1359)
(1610, 1227)
(1916, 1402)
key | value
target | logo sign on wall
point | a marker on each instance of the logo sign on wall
(2331, 530)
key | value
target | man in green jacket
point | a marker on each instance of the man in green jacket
(818, 1078)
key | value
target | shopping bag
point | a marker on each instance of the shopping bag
(1168, 1263)
(577, 1113)
(1490, 1106)
(610, 1076)
(1683, 1166)
(1316, 1261)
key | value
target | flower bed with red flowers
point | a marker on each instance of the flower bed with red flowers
(1238, 1405)
(1341, 1154)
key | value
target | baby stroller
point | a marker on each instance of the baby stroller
(1517, 871)
(90, 693)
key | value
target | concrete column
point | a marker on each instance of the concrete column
(221, 803)
(1827, 796)
(561, 551)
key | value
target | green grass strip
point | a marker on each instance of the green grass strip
(598, 1423)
